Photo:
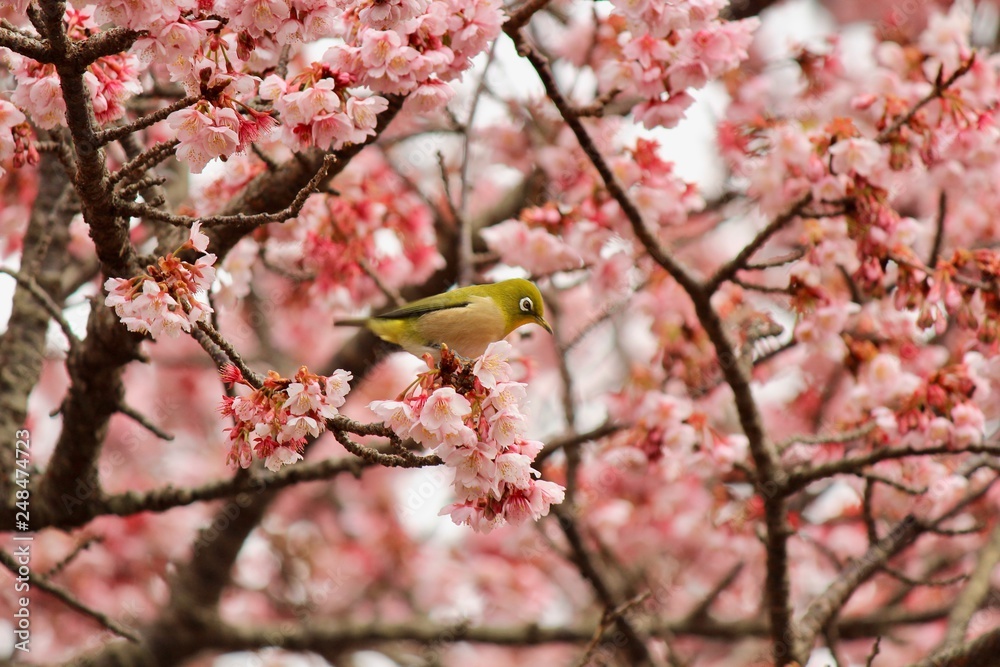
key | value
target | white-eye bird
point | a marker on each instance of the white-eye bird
(466, 319)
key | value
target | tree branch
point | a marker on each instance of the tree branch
(43, 583)
(974, 593)
(827, 605)
(46, 302)
(738, 263)
(734, 371)
(799, 478)
(24, 45)
(105, 137)
(636, 646)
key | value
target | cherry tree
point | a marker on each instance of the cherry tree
(763, 432)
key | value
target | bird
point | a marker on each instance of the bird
(466, 319)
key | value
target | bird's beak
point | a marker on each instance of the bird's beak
(543, 323)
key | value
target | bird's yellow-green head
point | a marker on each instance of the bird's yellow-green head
(520, 301)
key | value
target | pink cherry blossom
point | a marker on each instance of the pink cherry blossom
(275, 420)
(444, 410)
(10, 117)
(492, 368)
(860, 156)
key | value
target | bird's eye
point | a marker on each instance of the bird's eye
(526, 305)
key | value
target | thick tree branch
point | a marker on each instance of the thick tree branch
(24, 45)
(22, 345)
(980, 652)
(102, 44)
(96, 393)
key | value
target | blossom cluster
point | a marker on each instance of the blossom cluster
(471, 417)
(661, 50)
(206, 131)
(15, 134)
(318, 109)
(216, 50)
(932, 410)
(162, 300)
(669, 431)
(912, 142)
(376, 225)
(400, 45)
(585, 229)
(110, 80)
(274, 421)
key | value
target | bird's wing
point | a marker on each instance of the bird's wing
(421, 307)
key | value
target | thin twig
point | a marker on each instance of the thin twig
(763, 289)
(82, 546)
(733, 266)
(781, 260)
(930, 583)
(105, 137)
(390, 293)
(45, 301)
(239, 220)
(607, 313)
(874, 652)
(231, 354)
(146, 160)
(607, 620)
(828, 438)
(702, 608)
(899, 486)
(802, 477)
(144, 421)
(42, 583)
(575, 440)
(939, 230)
(939, 87)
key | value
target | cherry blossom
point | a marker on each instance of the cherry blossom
(477, 427)
(163, 299)
(10, 119)
(275, 420)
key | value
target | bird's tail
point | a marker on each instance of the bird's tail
(357, 322)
